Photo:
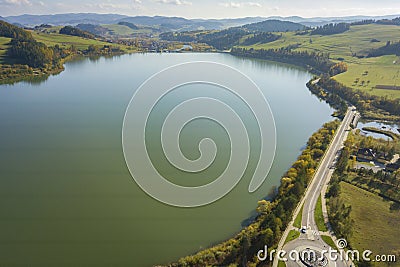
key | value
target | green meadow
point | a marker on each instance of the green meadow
(370, 72)
(52, 39)
(375, 226)
(363, 73)
(123, 30)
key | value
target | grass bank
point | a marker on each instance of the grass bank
(375, 226)
(319, 217)
(11, 71)
(364, 75)
(293, 234)
(380, 131)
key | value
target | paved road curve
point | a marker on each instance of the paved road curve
(310, 239)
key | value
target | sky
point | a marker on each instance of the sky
(205, 8)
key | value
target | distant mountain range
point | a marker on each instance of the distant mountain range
(65, 19)
(168, 23)
(319, 21)
(172, 23)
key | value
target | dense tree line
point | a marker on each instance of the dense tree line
(225, 39)
(395, 21)
(363, 22)
(333, 100)
(332, 28)
(12, 31)
(221, 40)
(364, 102)
(31, 52)
(128, 24)
(338, 68)
(261, 38)
(43, 26)
(273, 26)
(391, 48)
(338, 211)
(27, 50)
(93, 29)
(339, 216)
(273, 216)
(319, 62)
(69, 30)
(260, 32)
(382, 182)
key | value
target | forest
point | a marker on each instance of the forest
(391, 48)
(26, 50)
(221, 40)
(261, 32)
(69, 30)
(362, 101)
(316, 62)
(331, 28)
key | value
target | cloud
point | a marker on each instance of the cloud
(254, 4)
(137, 1)
(16, 2)
(175, 2)
(110, 6)
(240, 4)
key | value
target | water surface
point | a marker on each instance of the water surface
(66, 196)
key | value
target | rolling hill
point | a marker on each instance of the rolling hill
(274, 26)
(174, 23)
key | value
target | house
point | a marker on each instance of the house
(383, 157)
(366, 154)
(392, 167)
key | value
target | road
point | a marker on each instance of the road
(311, 238)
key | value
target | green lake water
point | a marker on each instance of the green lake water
(66, 195)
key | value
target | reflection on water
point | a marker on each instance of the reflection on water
(394, 128)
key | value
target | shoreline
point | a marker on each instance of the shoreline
(390, 134)
(39, 73)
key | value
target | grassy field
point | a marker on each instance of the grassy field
(344, 45)
(123, 30)
(370, 72)
(119, 29)
(319, 217)
(375, 227)
(293, 234)
(3, 47)
(357, 41)
(329, 241)
(297, 221)
(51, 39)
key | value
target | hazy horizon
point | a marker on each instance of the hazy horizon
(194, 18)
(207, 9)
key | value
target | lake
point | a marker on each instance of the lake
(66, 195)
(379, 125)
